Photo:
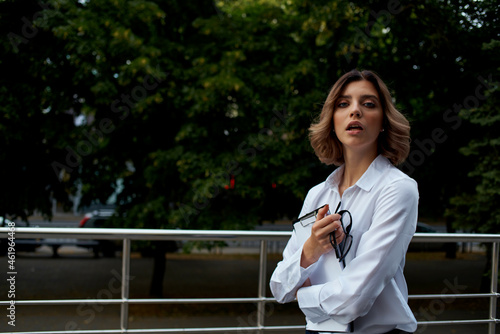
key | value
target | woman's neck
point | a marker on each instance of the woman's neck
(355, 166)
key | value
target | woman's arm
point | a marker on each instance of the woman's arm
(288, 275)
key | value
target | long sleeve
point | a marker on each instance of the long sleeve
(289, 275)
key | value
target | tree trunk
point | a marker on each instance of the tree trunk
(450, 247)
(159, 266)
(486, 279)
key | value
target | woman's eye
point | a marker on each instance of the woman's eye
(369, 104)
(342, 105)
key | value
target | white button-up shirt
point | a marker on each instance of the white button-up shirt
(371, 290)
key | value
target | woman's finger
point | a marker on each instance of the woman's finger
(322, 212)
(339, 235)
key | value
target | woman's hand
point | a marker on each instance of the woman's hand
(319, 241)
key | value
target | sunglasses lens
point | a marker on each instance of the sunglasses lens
(346, 220)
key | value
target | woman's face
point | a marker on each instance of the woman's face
(358, 117)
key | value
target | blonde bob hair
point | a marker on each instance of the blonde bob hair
(393, 142)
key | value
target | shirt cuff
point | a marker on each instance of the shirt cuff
(304, 273)
(308, 298)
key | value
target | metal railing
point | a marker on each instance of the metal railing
(202, 235)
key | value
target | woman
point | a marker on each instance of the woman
(347, 274)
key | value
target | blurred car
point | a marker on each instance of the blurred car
(21, 245)
(426, 246)
(425, 228)
(98, 219)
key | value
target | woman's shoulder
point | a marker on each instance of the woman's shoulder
(382, 173)
(398, 181)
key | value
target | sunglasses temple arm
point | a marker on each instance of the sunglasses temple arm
(334, 244)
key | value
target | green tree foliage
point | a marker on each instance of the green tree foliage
(256, 87)
(477, 209)
(201, 109)
(112, 54)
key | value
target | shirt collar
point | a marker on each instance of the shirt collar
(367, 180)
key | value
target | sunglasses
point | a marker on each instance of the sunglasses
(342, 248)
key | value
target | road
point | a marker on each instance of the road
(76, 274)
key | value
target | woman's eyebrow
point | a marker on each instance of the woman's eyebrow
(368, 96)
(363, 97)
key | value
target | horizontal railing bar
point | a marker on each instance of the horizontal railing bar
(200, 300)
(142, 234)
(234, 329)
(165, 234)
(458, 295)
(139, 301)
(209, 300)
(173, 330)
(455, 237)
(458, 322)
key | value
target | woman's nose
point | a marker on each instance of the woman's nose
(355, 110)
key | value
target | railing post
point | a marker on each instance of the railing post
(494, 287)
(125, 284)
(261, 307)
